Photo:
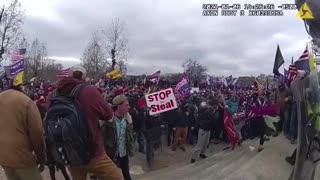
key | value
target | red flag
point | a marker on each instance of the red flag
(228, 125)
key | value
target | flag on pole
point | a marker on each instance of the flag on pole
(228, 126)
(229, 80)
(303, 62)
(186, 66)
(210, 81)
(312, 63)
(235, 81)
(292, 72)
(115, 74)
(259, 86)
(155, 77)
(16, 68)
(18, 55)
(18, 79)
(64, 73)
(182, 89)
(278, 61)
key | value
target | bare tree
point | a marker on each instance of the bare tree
(37, 58)
(115, 42)
(196, 71)
(94, 59)
(122, 66)
(51, 70)
(10, 24)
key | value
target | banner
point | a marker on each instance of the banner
(161, 101)
(182, 89)
(270, 110)
(16, 68)
(18, 79)
(114, 74)
(228, 125)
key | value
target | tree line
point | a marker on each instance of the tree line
(106, 50)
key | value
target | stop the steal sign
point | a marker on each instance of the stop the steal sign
(161, 101)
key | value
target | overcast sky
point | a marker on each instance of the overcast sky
(166, 32)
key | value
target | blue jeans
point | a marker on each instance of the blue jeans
(293, 122)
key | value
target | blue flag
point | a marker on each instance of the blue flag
(16, 68)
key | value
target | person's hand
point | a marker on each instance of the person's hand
(192, 128)
(286, 99)
(174, 129)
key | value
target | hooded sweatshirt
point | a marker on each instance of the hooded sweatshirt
(93, 105)
(233, 104)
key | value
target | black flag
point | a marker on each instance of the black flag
(278, 61)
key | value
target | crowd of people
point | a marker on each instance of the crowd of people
(111, 121)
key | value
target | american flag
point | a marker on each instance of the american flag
(292, 74)
(260, 87)
(64, 73)
(154, 75)
(18, 55)
(303, 62)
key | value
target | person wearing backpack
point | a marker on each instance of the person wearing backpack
(72, 127)
(118, 135)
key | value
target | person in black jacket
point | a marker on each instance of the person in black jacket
(181, 124)
(205, 121)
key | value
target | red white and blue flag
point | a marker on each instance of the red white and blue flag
(18, 55)
(155, 77)
(64, 73)
(303, 62)
(292, 73)
(182, 89)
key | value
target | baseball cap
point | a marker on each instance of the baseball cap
(119, 100)
(79, 69)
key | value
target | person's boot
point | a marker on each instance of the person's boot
(192, 161)
(275, 134)
(203, 156)
(240, 142)
(290, 160)
(216, 141)
(227, 146)
(174, 148)
(260, 148)
(183, 148)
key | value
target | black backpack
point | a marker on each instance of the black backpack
(70, 141)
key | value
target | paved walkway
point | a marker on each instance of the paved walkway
(165, 157)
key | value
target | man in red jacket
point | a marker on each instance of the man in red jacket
(95, 108)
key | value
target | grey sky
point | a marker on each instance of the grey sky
(166, 32)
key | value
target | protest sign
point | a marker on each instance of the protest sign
(161, 101)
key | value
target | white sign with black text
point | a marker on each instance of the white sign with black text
(161, 101)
